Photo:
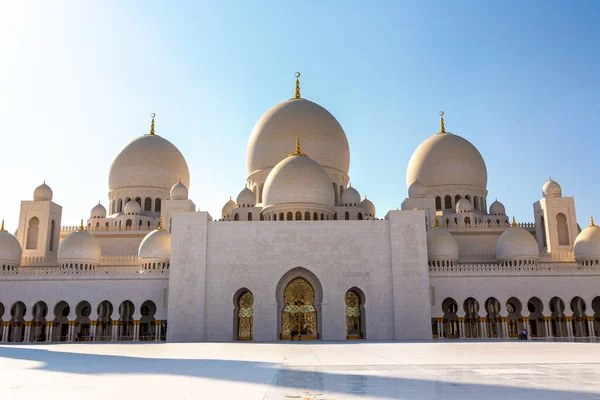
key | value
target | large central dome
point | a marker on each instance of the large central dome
(148, 161)
(447, 159)
(322, 136)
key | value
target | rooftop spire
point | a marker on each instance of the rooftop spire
(81, 225)
(591, 223)
(152, 125)
(514, 223)
(160, 225)
(297, 95)
(298, 150)
(2, 227)
(436, 224)
(442, 127)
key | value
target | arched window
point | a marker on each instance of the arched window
(322, 216)
(33, 231)
(249, 216)
(456, 198)
(236, 217)
(353, 315)
(298, 216)
(476, 203)
(360, 216)
(467, 220)
(346, 215)
(148, 204)
(447, 202)
(245, 316)
(290, 216)
(315, 216)
(281, 217)
(543, 225)
(468, 197)
(157, 204)
(563, 231)
(140, 224)
(274, 217)
(120, 206)
(438, 203)
(139, 201)
(307, 216)
(335, 193)
(127, 200)
(52, 229)
(128, 223)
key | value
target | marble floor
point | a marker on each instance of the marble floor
(360, 370)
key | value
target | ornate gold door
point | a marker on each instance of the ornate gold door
(245, 316)
(353, 325)
(299, 316)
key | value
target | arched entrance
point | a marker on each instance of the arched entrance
(494, 323)
(515, 318)
(537, 325)
(472, 326)
(147, 321)
(40, 310)
(355, 314)
(104, 327)
(299, 315)
(450, 308)
(244, 314)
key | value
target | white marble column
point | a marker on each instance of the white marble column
(5, 332)
(159, 330)
(93, 329)
(156, 325)
(27, 331)
(49, 329)
(483, 327)
(115, 329)
(590, 322)
(548, 326)
(136, 330)
(504, 327)
(461, 327)
(569, 322)
(70, 332)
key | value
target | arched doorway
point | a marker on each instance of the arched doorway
(82, 322)
(147, 321)
(537, 325)
(494, 323)
(450, 308)
(515, 318)
(16, 330)
(596, 310)
(579, 318)
(40, 310)
(1, 322)
(472, 328)
(60, 331)
(558, 323)
(355, 314)
(104, 327)
(244, 315)
(299, 315)
(125, 331)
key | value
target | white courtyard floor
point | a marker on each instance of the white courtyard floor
(363, 370)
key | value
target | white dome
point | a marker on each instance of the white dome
(516, 244)
(351, 197)
(497, 208)
(132, 208)
(79, 247)
(156, 246)
(42, 192)
(368, 206)
(179, 191)
(10, 249)
(322, 136)
(441, 245)
(551, 189)
(298, 179)
(227, 209)
(587, 244)
(148, 161)
(463, 205)
(416, 189)
(98, 211)
(246, 198)
(447, 159)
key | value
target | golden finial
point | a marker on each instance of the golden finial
(2, 227)
(591, 223)
(436, 224)
(297, 95)
(160, 225)
(442, 128)
(514, 223)
(152, 125)
(298, 151)
(81, 227)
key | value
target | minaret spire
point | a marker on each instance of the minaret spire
(442, 127)
(591, 223)
(81, 225)
(152, 125)
(297, 95)
(160, 227)
(298, 150)
(514, 223)
(2, 227)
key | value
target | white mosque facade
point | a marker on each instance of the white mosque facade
(299, 254)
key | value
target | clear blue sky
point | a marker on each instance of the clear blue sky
(79, 79)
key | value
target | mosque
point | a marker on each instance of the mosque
(299, 254)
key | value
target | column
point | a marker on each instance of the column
(27, 331)
(156, 326)
(49, 326)
(548, 323)
(70, 331)
(504, 327)
(115, 328)
(461, 326)
(136, 330)
(569, 326)
(525, 321)
(483, 324)
(441, 327)
(5, 325)
(159, 329)
(93, 325)
(590, 322)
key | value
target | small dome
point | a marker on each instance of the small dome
(516, 244)
(497, 208)
(98, 211)
(416, 189)
(156, 246)
(447, 159)
(464, 205)
(132, 208)
(587, 244)
(298, 179)
(227, 209)
(10, 249)
(42, 192)
(79, 247)
(179, 191)
(441, 245)
(350, 197)
(368, 206)
(246, 198)
(551, 189)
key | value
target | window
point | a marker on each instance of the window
(237, 217)
(148, 204)
(456, 198)
(347, 216)
(476, 203)
(120, 206)
(563, 231)
(33, 231)
(290, 216)
(438, 203)
(157, 205)
(360, 217)
(52, 229)
(249, 216)
(447, 202)
(307, 216)
(298, 216)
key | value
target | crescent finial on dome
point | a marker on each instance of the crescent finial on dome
(298, 150)
(160, 227)
(436, 224)
(442, 127)
(2, 227)
(152, 124)
(514, 223)
(297, 95)
(81, 227)
(591, 223)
